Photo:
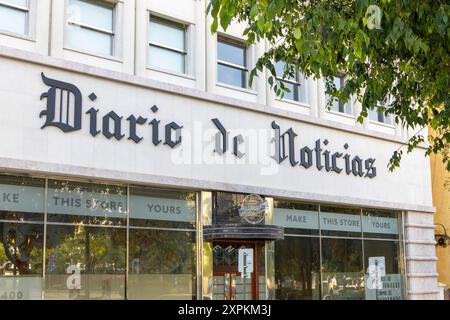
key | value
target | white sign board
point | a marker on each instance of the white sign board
(245, 262)
(376, 270)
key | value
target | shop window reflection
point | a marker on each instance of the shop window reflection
(162, 265)
(297, 270)
(388, 285)
(85, 263)
(21, 261)
(342, 269)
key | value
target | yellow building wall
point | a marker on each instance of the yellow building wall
(441, 200)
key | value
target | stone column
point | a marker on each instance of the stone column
(420, 256)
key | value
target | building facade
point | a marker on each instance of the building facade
(137, 163)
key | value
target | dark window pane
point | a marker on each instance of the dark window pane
(74, 202)
(342, 269)
(232, 76)
(297, 271)
(21, 261)
(231, 53)
(85, 263)
(226, 208)
(162, 265)
(384, 279)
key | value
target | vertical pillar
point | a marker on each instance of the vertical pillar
(270, 257)
(420, 256)
(204, 249)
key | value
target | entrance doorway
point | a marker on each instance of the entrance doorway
(228, 281)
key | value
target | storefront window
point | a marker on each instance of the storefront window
(342, 269)
(384, 280)
(162, 245)
(21, 234)
(342, 222)
(380, 224)
(297, 218)
(85, 262)
(297, 268)
(72, 202)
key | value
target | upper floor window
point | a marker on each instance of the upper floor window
(90, 26)
(378, 115)
(167, 41)
(340, 106)
(231, 62)
(14, 16)
(295, 83)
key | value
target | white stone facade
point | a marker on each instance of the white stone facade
(126, 84)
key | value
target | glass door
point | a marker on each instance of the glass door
(228, 282)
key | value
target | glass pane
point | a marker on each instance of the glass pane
(373, 114)
(380, 224)
(161, 208)
(342, 269)
(13, 20)
(296, 218)
(167, 34)
(231, 53)
(166, 59)
(293, 93)
(21, 3)
(231, 76)
(338, 106)
(345, 222)
(162, 265)
(89, 40)
(91, 13)
(21, 261)
(85, 263)
(74, 202)
(21, 198)
(383, 279)
(297, 269)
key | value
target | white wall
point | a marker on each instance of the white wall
(47, 37)
(21, 138)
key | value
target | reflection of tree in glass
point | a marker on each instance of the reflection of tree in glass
(166, 252)
(96, 250)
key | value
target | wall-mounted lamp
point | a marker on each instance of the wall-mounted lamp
(442, 238)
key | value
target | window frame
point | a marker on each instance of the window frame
(245, 69)
(340, 104)
(298, 83)
(26, 10)
(173, 24)
(113, 33)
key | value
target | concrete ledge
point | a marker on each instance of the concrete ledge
(421, 258)
(423, 275)
(55, 170)
(423, 292)
(429, 242)
(420, 225)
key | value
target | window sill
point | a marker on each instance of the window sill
(244, 90)
(172, 73)
(293, 102)
(382, 124)
(17, 35)
(93, 54)
(342, 114)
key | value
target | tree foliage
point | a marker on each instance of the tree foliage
(386, 48)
